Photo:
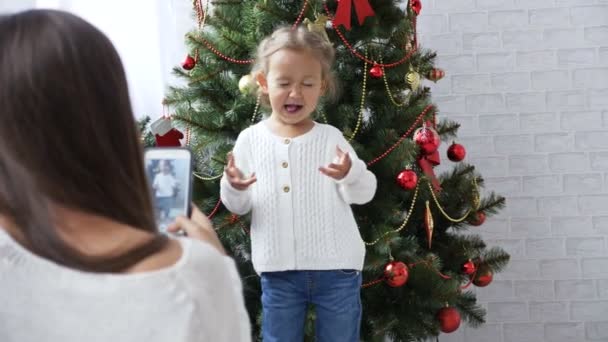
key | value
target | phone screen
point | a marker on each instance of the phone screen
(169, 172)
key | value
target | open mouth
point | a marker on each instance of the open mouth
(292, 108)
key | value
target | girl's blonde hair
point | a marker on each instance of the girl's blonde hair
(298, 39)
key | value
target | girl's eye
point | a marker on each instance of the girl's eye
(308, 84)
(283, 84)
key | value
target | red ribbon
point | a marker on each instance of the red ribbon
(427, 162)
(362, 7)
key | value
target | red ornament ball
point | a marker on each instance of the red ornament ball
(449, 319)
(456, 152)
(416, 6)
(469, 267)
(407, 179)
(483, 278)
(436, 74)
(427, 139)
(396, 273)
(189, 63)
(376, 71)
(478, 219)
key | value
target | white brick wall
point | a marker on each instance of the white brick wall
(528, 80)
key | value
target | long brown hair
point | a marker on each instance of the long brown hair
(68, 136)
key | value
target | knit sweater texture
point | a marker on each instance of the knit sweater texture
(301, 218)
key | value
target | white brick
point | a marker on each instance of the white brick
(564, 332)
(494, 4)
(568, 162)
(597, 35)
(546, 184)
(444, 43)
(507, 312)
(483, 333)
(539, 122)
(605, 118)
(597, 331)
(589, 310)
(528, 164)
(497, 123)
(507, 19)
(493, 62)
(591, 78)
(549, 16)
(600, 224)
(554, 142)
(581, 120)
(513, 144)
(530, 226)
(468, 124)
(481, 41)
(591, 140)
(490, 166)
(520, 269)
(496, 228)
(449, 5)
(470, 83)
(575, 57)
(583, 183)
(485, 103)
(548, 311)
(518, 332)
(595, 268)
(575, 289)
(559, 269)
(522, 40)
(534, 3)
(589, 15)
(456, 63)
(525, 102)
(514, 247)
(599, 161)
(550, 80)
(565, 3)
(504, 185)
(499, 289)
(478, 145)
(433, 24)
(562, 38)
(594, 204)
(469, 22)
(534, 289)
(443, 87)
(598, 98)
(571, 226)
(591, 246)
(510, 81)
(450, 104)
(566, 100)
(536, 60)
(602, 288)
(603, 55)
(522, 206)
(545, 248)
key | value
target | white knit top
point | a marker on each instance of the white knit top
(301, 219)
(197, 299)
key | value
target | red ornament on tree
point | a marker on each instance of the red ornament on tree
(483, 278)
(189, 63)
(436, 74)
(407, 179)
(376, 71)
(395, 273)
(427, 139)
(478, 219)
(416, 6)
(456, 152)
(469, 267)
(449, 319)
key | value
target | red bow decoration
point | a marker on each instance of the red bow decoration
(362, 7)
(427, 162)
(416, 6)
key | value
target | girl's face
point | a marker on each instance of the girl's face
(293, 83)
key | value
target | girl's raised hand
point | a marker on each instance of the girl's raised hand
(339, 169)
(235, 176)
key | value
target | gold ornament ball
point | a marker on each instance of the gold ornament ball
(246, 84)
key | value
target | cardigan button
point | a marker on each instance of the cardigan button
(284, 164)
(287, 141)
(286, 189)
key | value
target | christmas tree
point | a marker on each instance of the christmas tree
(422, 259)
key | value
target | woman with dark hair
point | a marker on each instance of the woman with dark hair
(81, 258)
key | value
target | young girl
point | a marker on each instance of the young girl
(305, 241)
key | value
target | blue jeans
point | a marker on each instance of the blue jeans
(335, 294)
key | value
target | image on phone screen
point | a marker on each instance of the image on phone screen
(169, 177)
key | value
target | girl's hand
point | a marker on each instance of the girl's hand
(235, 176)
(198, 227)
(340, 169)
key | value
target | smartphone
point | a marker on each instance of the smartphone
(169, 173)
